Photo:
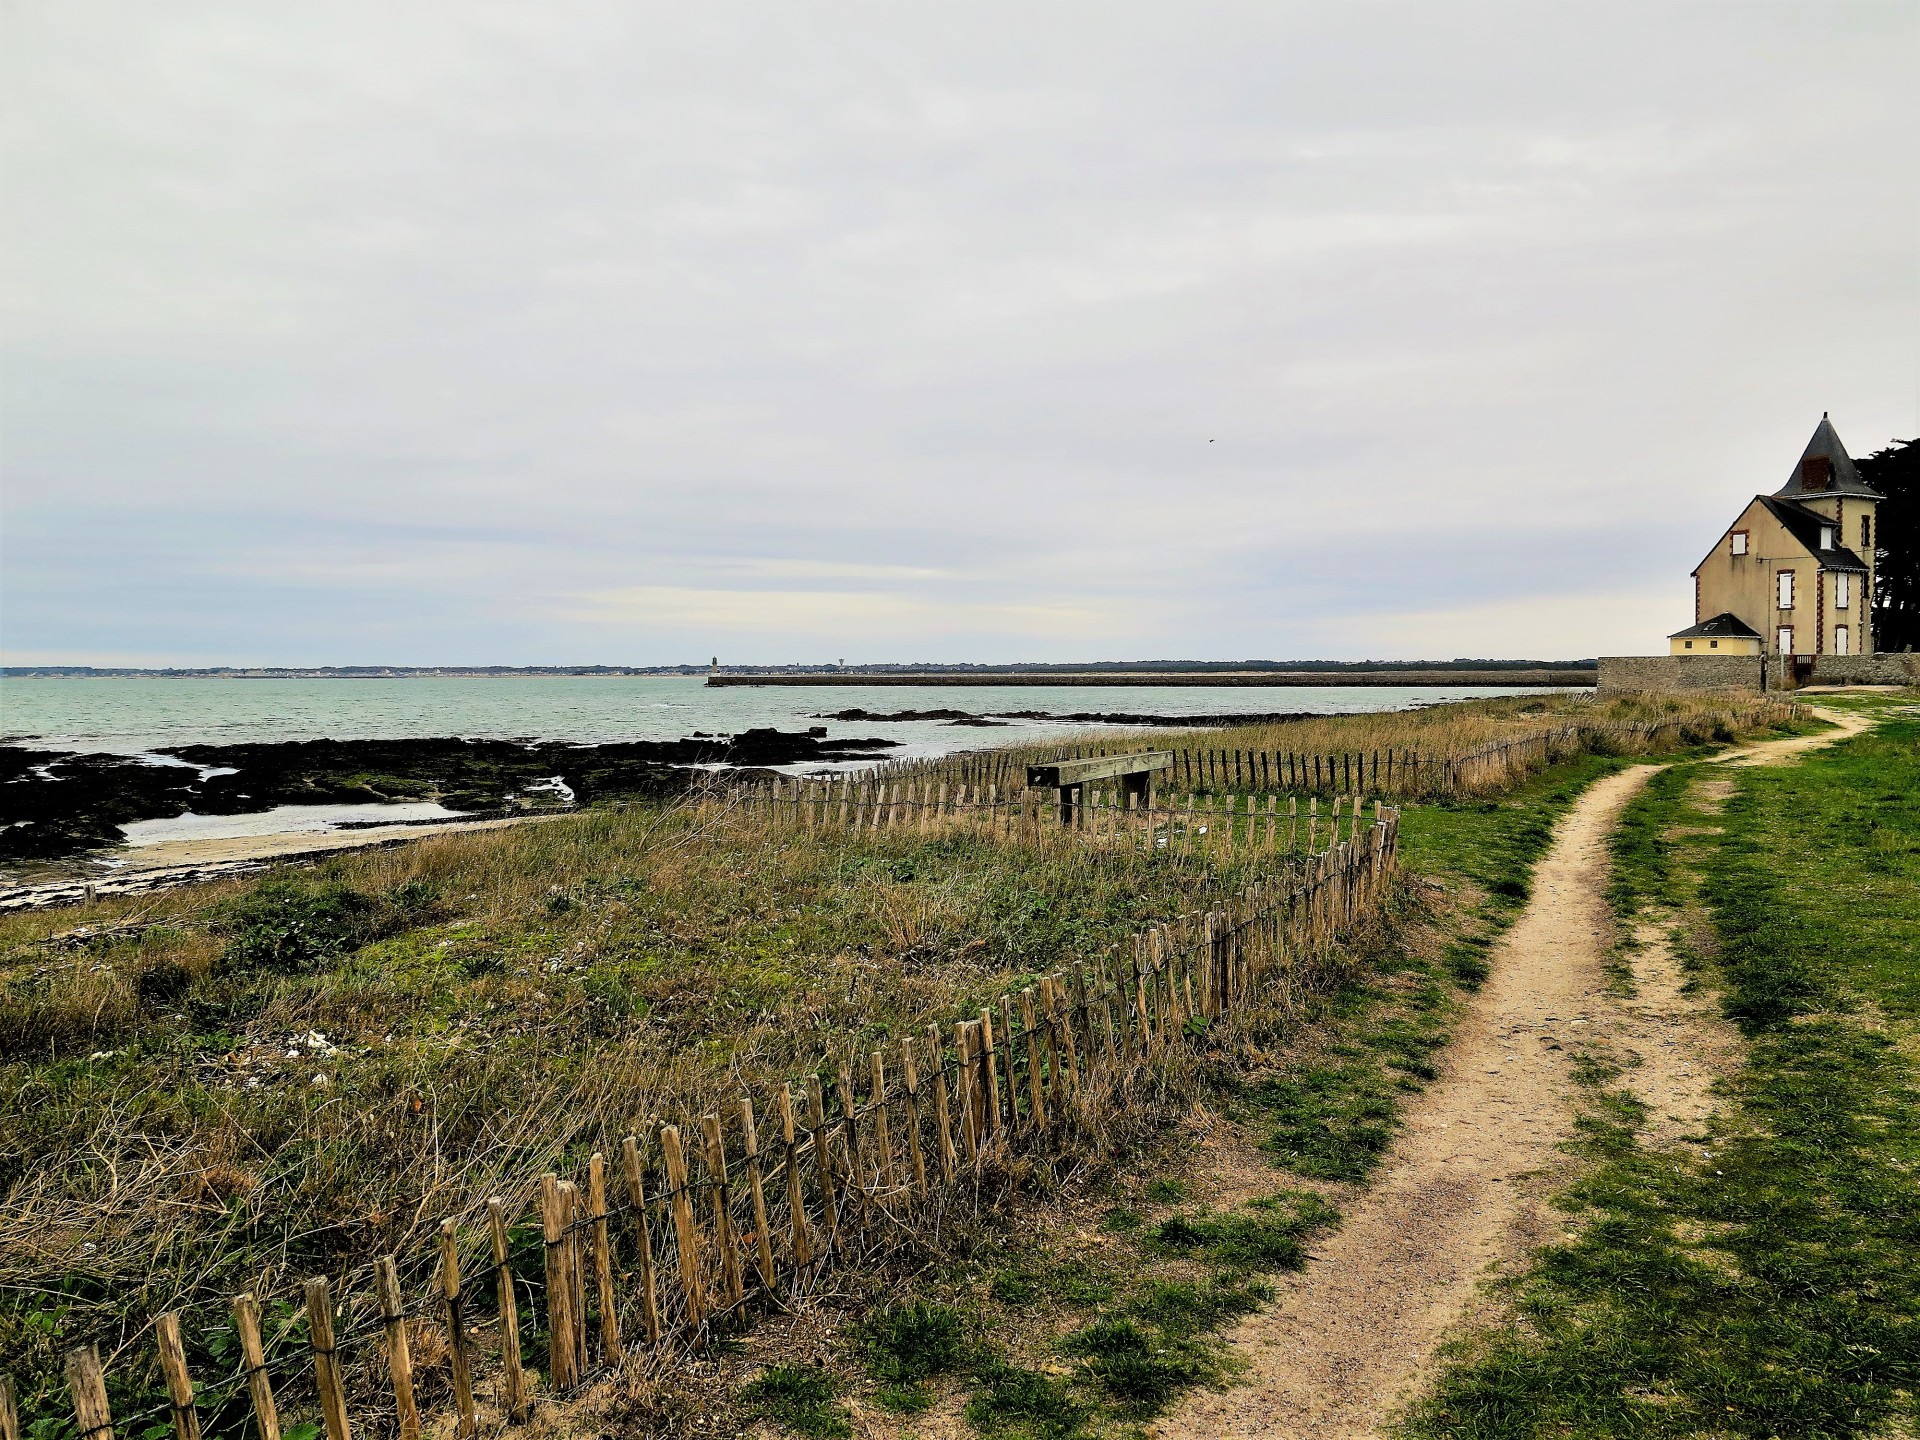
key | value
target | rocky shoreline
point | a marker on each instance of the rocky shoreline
(56, 804)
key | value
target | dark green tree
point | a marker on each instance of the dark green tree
(1895, 473)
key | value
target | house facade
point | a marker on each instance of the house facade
(1793, 575)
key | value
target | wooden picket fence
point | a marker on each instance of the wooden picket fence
(1404, 773)
(1102, 819)
(690, 1228)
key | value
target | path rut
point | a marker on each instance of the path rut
(1463, 1190)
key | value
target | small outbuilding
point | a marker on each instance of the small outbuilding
(1725, 634)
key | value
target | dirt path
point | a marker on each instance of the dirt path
(1464, 1188)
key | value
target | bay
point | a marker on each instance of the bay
(135, 715)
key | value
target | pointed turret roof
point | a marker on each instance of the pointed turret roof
(1825, 468)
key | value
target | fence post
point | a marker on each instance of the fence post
(610, 1347)
(9, 1411)
(561, 1348)
(326, 1366)
(882, 1129)
(856, 1186)
(964, 1087)
(513, 1377)
(942, 1117)
(393, 1316)
(721, 1194)
(756, 1189)
(246, 1323)
(457, 1357)
(1036, 1100)
(796, 1198)
(823, 1160)
(88, 1386)
(989, 1072)
(916, 1157)
(173, 1366)
(633, 1172)
(686, 1238)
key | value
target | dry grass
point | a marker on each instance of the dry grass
(187, 1121)
(1441, 731)
(182, 1134)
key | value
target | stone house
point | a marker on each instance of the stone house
(1793, 576)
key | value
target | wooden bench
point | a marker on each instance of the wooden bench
(1070, 777)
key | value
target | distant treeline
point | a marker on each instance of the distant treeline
(381, 672)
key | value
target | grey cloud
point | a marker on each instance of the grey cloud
(359, 332)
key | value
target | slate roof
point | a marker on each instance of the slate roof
(1724, 626)
(1804, 525)
(1843, 478)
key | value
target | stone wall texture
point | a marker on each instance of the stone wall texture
(1866, 670)
(1751, 672)
(1682, 672)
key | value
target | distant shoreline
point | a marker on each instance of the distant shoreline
(1321, 679)
(1073, 673)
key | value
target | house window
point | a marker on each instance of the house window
(1842, 591)
(1689, 644)
(1713, 644)
(1826, 537)
(1738, 542)
(1866, 533)
(1785, 578)
(1840, 640)
(1785, 639)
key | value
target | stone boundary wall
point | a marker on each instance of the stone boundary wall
(1866, 670)
(1751, 672)
(1682, 672)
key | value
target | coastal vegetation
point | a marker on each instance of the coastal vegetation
(235, 1085)
(1756, 1278)
(55, 804)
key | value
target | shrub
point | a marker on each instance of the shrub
(291, 927)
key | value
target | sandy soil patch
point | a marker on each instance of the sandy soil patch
(1464, 1186)
(188, 862)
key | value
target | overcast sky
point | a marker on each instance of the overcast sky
(553, 332)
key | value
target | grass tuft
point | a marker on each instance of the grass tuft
(804, 1400)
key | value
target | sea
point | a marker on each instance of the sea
(139, 715)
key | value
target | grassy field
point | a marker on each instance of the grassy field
(1760, 1280)
(235, 1085)
(1447, 730)
(1089, 1314)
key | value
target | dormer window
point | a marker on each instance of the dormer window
(1737, 542)
(1816, 472)
(1826, 537)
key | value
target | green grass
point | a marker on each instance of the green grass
(905, 1346)
(1762, 1282)
(1147, 1310)
(1331, 1109)
(803, 1400)
(491, 1006)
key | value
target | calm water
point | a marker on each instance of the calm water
(132, 716)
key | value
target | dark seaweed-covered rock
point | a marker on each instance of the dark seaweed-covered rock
(55, 803)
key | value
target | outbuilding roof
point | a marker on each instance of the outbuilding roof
(1808, 526)
(1825, 468)
(1724, 626)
